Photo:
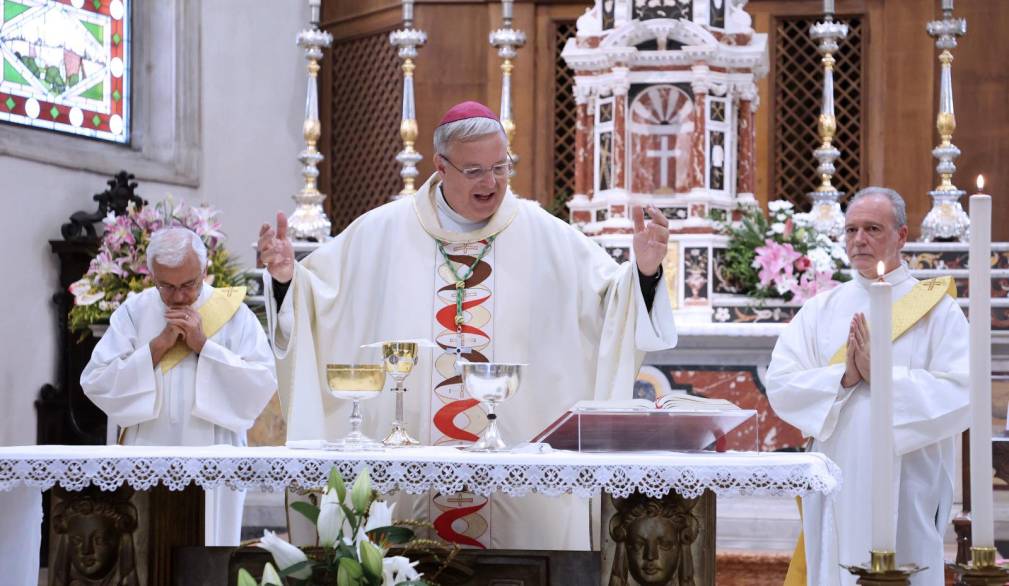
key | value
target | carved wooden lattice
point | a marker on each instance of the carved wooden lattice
(565, 115)
(366, 92)
(798, 85)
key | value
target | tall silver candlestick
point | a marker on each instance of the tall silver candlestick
(826, 212)
(946, 219)
(309, 221)
(408, 40)
(507, 40)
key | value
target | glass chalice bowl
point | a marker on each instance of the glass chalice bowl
(490, 383)
(399, 359)
(355, 382)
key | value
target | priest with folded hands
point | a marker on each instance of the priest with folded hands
(184, 364)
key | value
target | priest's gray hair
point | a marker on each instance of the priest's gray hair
(899, 207)
(170, 246)
(464, 131)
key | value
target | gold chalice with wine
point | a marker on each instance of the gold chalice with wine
(356, 383)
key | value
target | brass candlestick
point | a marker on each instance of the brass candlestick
(982, 569)
(883, 570)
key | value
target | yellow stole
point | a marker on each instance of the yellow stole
(214, 313)
(906, 312)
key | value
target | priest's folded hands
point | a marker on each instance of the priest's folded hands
(857, 355)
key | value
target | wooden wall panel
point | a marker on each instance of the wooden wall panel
(906, 90)
(980, 87)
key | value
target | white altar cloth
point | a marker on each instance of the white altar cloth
(25, 471)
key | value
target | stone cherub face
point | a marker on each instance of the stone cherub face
(653, 550)
(94, 543)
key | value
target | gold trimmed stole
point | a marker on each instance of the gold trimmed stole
(214, 313)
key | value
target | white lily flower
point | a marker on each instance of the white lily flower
(270, 576)
(398, 569)
(331, 519)
(285, 554)
(379, 515)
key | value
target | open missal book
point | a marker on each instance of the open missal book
(677, 422)
(671, 401)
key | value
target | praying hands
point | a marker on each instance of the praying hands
(857, 364)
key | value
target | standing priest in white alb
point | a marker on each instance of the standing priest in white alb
(184, 364)
(535, 291)
(818, 381)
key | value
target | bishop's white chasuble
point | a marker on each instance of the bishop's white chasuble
(541, 294)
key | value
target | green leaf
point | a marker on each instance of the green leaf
(296, 568)
(360, 493)
(336, 483)
(350, 572)
(245, 578)
(391, 535)
(307, 509)
(371, 559)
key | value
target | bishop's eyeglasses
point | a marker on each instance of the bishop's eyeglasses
(477, 173)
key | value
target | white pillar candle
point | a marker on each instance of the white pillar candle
(506, 9)
(980, 369)
(947, 4)
(828, 6)
(884, 506)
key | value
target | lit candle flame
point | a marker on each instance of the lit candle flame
(980, 183)
(880, 269)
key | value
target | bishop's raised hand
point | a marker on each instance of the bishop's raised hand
(276, 251)
(650, 241)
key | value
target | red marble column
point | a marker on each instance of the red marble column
(583, 149)
(747, 163)
(619, 142)
(697, 154)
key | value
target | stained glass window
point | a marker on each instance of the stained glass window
(66, 66)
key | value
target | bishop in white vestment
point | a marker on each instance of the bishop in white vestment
(828, 400)
(184, 364)
(533, 290)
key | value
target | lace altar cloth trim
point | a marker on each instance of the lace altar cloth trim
(416, 470)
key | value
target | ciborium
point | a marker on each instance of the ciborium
(490, 383)
(356, 383)
(399, 359)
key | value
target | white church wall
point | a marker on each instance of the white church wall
(252, 85)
